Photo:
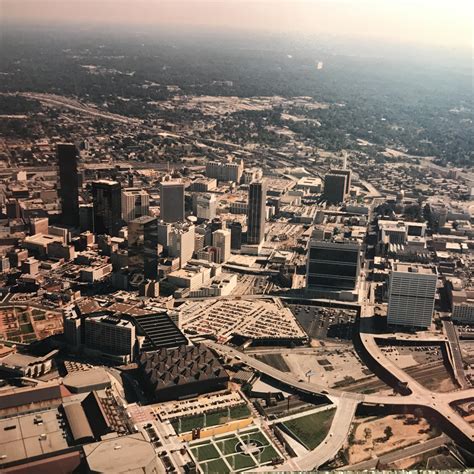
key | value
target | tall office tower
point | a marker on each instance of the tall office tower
(206, 205)
(67, 155)
(86, 217)
(164, 231)
(348, 174)
(106, 196)
(412, 290)
(251, 174)
(172, 200)
(235, 235)
(333, 266)
(256, 212)
(181, 242)
(199, 239)
(335, 188)
(230, 171)
(143, 246)
(206, 231)
(221, 240)
(135, 203)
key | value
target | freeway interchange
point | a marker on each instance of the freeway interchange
(346, 403)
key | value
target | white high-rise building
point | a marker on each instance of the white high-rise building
(206, 206)
(181, 242)
(221, 239)
(135, 203)
(412, 291)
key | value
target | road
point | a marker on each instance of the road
(72, 104)
(333, 442)
(457, 361)
(420, 396)
(346, 404)
(347, 401)
(400, 454)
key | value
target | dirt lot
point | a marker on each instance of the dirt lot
(370, 436)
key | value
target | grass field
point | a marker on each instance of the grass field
(212, 419)
(310, 430)
(223, 454)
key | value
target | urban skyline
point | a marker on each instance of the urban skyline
(236, 237)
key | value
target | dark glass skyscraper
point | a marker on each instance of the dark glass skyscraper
(256, 212)
(142, 246)
(67, 155)
(106, 196)
(172, 200)
(333, 265)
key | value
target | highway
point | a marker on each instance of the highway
(72, 104)
(457, 362)
(347, 402)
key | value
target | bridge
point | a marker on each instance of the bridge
(346, 403)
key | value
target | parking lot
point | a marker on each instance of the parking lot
(323, 323)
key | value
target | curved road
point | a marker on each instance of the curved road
(347, 402)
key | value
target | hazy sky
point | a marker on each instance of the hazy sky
(429, 22)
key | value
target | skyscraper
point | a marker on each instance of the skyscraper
(221, 240)
(106, 196)
(412, 290)
(333, 266)
(206, 205)
(181, 242)
(348, 174)
(256, 212)
(143, 246)
(67, 155)
(335, 186)
(172, 200)
(135, 203)
(235, 235)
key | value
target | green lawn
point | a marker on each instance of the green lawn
(210, 455)
(240, 461)
(212, 419)
(268, 454)
(26, 328)
(310, 430)
(227, 446)
(216, 466)
(205, 451)
(257, 436)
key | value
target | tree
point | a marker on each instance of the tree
(388, 432)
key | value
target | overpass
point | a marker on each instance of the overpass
(455, 354)
(346, 402)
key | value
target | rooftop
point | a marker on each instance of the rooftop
(31, 435)
(420, 269)
(125, 454)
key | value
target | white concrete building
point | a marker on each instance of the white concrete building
(135, 203)
(181, 242)
(206, 206)
(412, 290)
(221, 240)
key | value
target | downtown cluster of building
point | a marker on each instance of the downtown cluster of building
(124, 254)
